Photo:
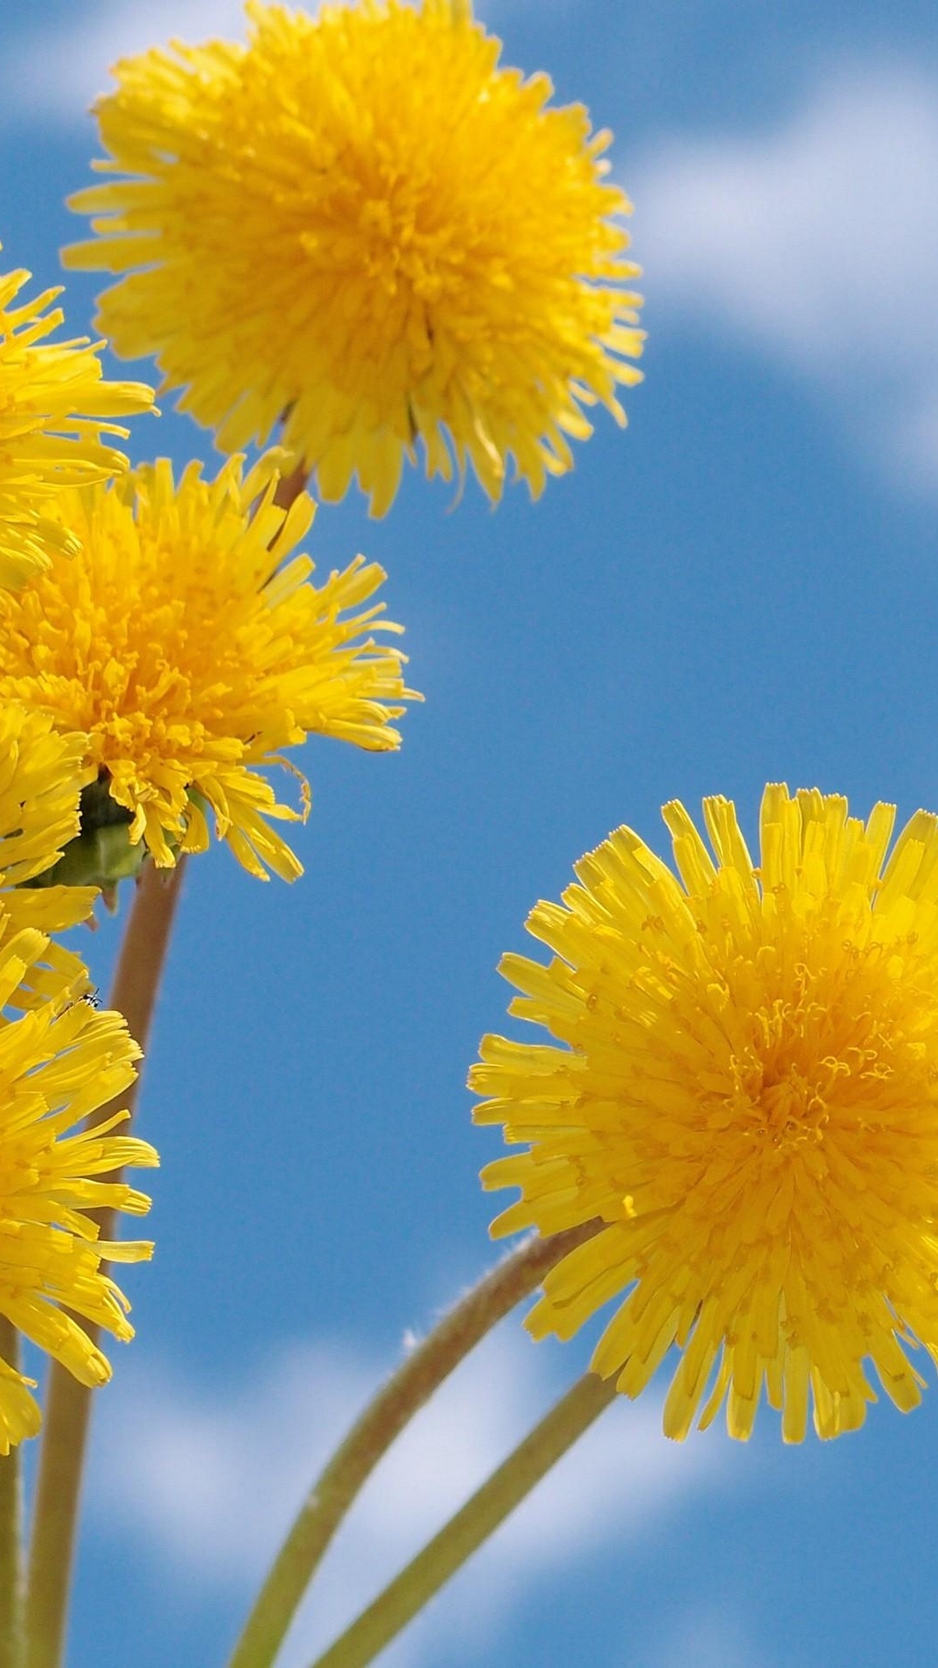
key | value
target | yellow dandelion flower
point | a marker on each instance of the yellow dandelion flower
(59, 1063)
(187, 644)
(362, 225)
(747, 1097)
(41, 777)
(55, 412)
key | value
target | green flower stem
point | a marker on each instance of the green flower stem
(416, 1585)
(404, 1393)
(68, 1403)
(11, 1521)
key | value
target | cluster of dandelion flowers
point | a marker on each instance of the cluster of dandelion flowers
(58, 1064)
(746, 1096)
(56, 425)
(186, 642)
(360, 223)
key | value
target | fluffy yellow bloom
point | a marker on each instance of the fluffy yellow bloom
(187, 644)
(747, 1097)
(359, 223)
(41, 776)
(59, 1063)
(55, 412)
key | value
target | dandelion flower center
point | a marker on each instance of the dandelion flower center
(748, 1099)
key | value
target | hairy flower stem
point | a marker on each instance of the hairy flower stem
(68, 1403)
(11, 1522)
(404, 1393)
(479, 1518)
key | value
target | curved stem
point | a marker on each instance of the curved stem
(416, 1585)
(11, 1520)
(68, 1403)
(371, 1436)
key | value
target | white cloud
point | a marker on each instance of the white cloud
(819, 243)
(56, 75)
(707, 1639)
(210, 1482)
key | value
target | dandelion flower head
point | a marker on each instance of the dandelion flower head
(360, 223)
(59, 1063)
(746, 1095)
(185, 641)
(56, 425)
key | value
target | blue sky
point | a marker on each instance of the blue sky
(742, 587)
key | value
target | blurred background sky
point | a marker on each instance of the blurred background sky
(743, 587)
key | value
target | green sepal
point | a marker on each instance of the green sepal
(101, 854)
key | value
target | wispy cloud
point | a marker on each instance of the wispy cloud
(210, 1482)
(818, 242)
(55, 75)
(706, 1639)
